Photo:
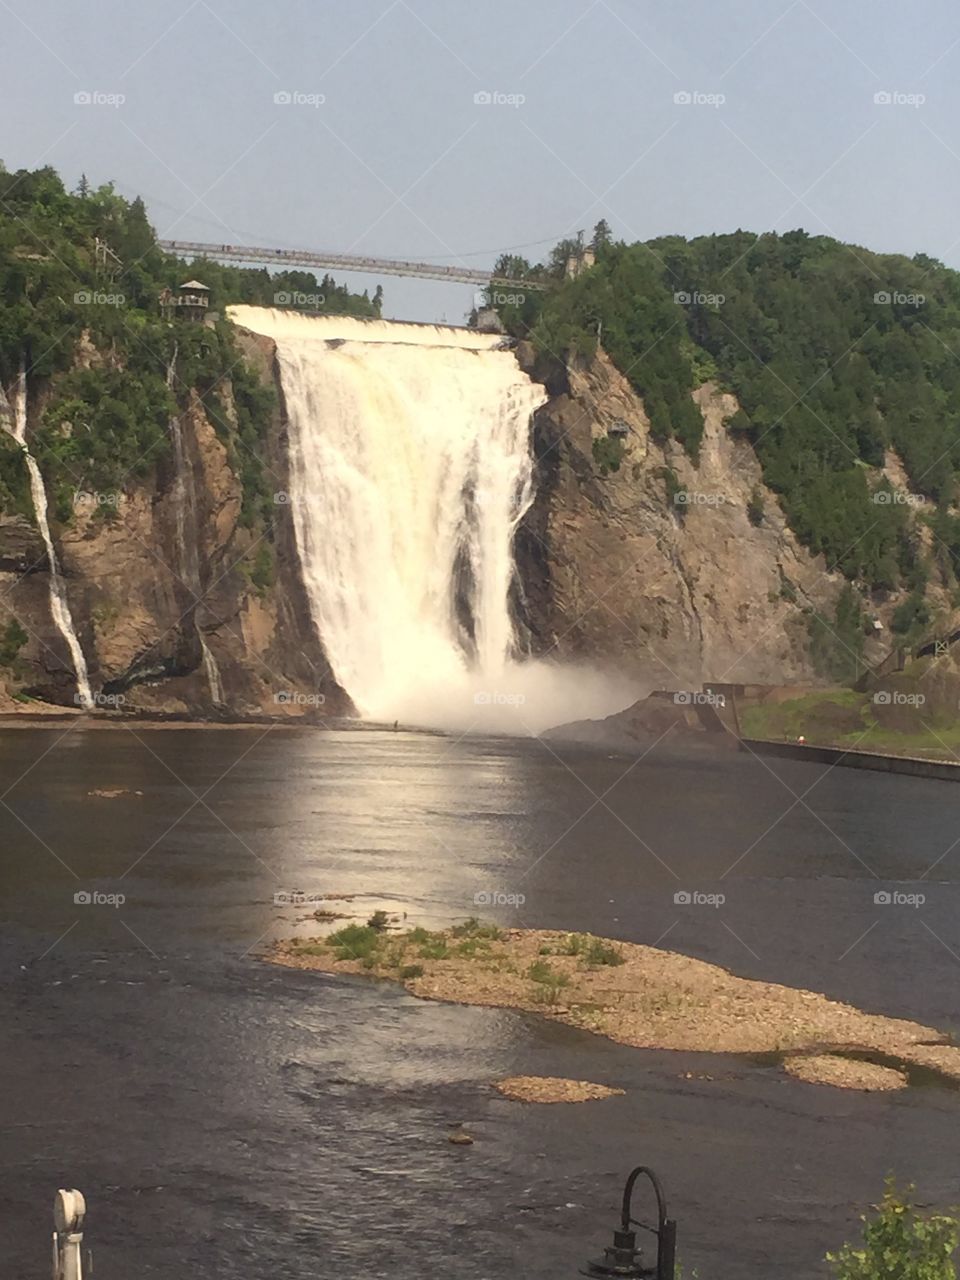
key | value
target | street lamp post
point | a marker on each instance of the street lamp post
(623, 1257)
(68, 1213)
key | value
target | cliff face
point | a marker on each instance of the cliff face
(668, 572)
(657, 568)
(170, 605)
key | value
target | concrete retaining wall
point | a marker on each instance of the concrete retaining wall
(850, 759)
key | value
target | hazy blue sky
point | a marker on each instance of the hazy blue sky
(400, 161)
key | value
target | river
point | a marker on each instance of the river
(228, 1118)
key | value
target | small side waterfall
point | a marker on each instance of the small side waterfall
(59, 605)
(212, 671)
(185, 508)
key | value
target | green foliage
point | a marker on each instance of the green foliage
(470, 948)
(434, 947)
(602, 237)
(912, 616)
(104, 427)
(608, 453)
(355, 942)
(593, 951)
(261, 571)
(12, 639)
(106, 419)
(574, 944)
(475, 928)
(541, 971)
(378, 921)
(600, 952)
(671, 486)
(755, 507)
(827, 372)
(836, 645)
(550, 982)
(411, 971)
(14, 482)
(900, 1243)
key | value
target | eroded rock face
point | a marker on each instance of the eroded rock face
(668, 572)
(663, 576)
(143, 611)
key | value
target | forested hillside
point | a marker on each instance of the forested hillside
(107, 406)
(835, 354)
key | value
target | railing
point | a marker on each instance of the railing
(343, 262)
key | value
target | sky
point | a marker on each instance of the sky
(663, 117)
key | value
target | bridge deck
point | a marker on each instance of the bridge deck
(342, 262)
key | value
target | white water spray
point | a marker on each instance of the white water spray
(59, 605)
(410, 469)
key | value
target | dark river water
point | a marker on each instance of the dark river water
(228, 1118)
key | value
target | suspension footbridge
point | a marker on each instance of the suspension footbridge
(258, 255)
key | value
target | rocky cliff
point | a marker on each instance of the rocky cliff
(179, 608)
(632, 557)
(671, 571)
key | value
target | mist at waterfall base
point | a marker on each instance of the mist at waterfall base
(410, 470)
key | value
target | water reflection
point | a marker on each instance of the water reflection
(279, 1117)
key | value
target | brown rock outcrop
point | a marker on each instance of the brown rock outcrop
(657, 568)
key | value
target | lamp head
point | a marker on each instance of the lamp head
(69, 1208)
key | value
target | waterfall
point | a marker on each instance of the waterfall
(410, 468)
(59, 605)
(185, 510)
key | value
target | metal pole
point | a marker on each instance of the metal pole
(667, 1251)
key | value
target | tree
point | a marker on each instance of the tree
(900, 1243)
(602, 236)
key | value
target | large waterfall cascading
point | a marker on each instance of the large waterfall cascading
(59, 605)
(410, 468)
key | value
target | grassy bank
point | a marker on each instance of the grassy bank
(845, 718)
